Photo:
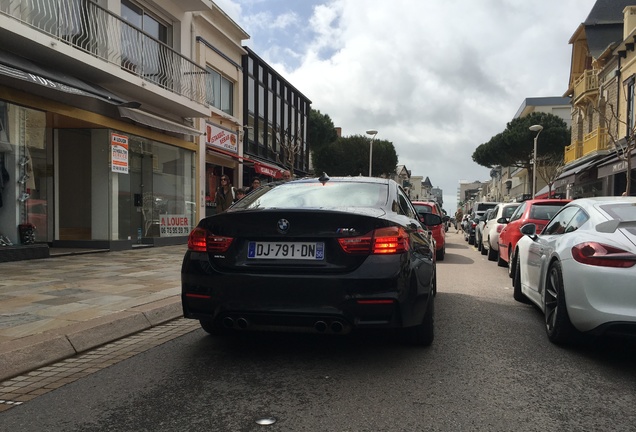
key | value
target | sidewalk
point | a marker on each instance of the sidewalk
(54, 308)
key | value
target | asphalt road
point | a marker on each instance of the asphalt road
(490, 368)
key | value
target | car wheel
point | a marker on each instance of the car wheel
(210, 327)
(492, 254)
(511, 265)
(516, 285)
(482, 249)
(440, 254)
(557, 321)
(500, 261)
(422, 334)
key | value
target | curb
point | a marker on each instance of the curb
(26, 354)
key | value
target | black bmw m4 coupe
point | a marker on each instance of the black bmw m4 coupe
(321, 255)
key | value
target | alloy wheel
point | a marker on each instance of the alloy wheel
(551, 301)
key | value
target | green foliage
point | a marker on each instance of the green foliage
(321, 130)
(349, 156)
(514, 146)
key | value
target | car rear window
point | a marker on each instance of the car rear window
(544, 211)
(508, 211)
(484, 207)
(421, 209)
(315, 195)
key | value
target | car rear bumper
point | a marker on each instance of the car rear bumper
(336, 303)
(599, 298)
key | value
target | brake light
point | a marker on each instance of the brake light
(375, 302)
(200, 240)
(598, 254)
(500, 227)
(389, 240)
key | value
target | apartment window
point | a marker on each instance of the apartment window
(146, 43)
(220, 92)
(144, 20)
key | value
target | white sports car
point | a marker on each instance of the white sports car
(581, 269)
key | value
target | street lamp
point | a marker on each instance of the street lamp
(374, 133)
(535, 128)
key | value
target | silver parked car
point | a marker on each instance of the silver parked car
(493, 227)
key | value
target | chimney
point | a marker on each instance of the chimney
(339, 132)
(629, 21)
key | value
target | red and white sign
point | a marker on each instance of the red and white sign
(267, 170)
(119, 153)
(221, 138)
(174, 225)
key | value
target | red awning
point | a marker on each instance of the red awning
(260, 167)
(268, 170)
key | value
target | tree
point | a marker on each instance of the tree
(514, 146)
(549, 168)
(350, 156)
(623, 147)
(320, 131)
(290, 146)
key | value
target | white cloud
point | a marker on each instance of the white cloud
(435, 77)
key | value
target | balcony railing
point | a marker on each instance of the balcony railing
(573, 152)
(586, 84)
(595, 141)
(95, 30)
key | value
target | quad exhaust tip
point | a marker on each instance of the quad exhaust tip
(228, 322)
(320, 326)
(242, 323)
(335, 327)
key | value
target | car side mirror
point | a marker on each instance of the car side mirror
(529, 229)
(430, 219)
(503, 220)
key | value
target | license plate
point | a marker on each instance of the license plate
(286, 250)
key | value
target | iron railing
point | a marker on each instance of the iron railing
(97, 31)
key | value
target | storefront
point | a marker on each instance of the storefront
(222, 158)
(614, 172)
(88, 180)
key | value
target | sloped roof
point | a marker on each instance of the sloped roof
(607, 12)
(604, 25)
(427, 183)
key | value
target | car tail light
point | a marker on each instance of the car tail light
(375, 302)
(200, 240)
(473, 224)
(390, 240)
(500, 228)
(598, 254)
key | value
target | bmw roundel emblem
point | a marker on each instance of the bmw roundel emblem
(283, 225)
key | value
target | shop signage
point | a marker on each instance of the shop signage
(221, 138)
(267, 170)
(119, 153)
(174, 225)
(615, 168)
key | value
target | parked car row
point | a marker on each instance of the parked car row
(574, 260)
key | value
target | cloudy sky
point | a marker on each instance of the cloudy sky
(435, 77)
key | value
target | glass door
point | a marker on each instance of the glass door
(143, 223)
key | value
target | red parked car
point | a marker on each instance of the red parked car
(438, 231)
(538, 212)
